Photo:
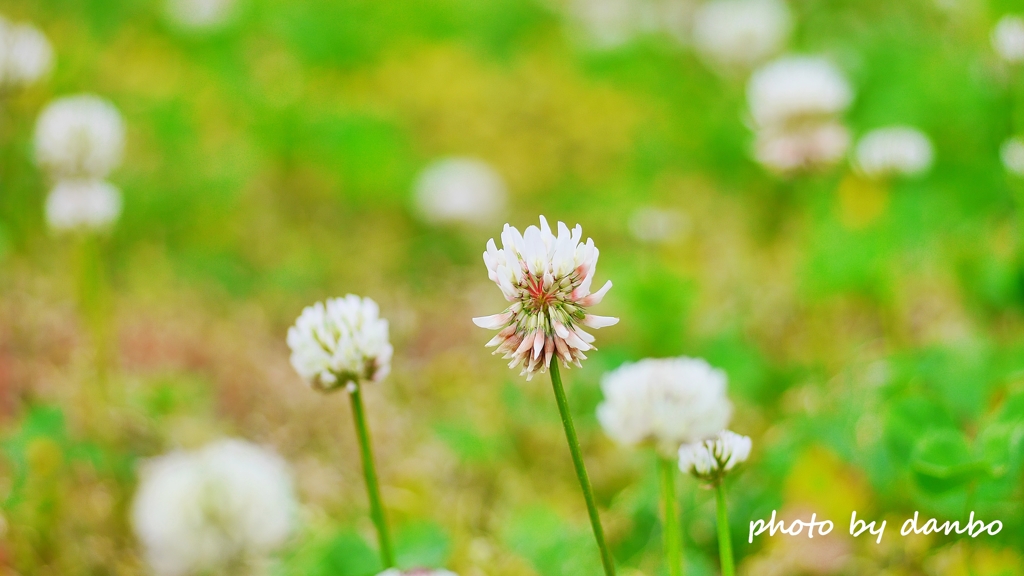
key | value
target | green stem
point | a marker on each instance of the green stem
(672, 539)
(581, 469)
(724, 539)
(370, 473)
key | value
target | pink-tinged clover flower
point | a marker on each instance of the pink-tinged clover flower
(546, 278)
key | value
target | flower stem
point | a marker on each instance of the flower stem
(724, 538)
(672, 539)
(581, 469)
(370, 473)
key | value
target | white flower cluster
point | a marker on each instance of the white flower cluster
(25, 55)
(1012, 155)
(229, 504)
(459, 190)
(547, 280)
(1008, 39)
(710, 459)
(733, 34)
(79, 140)
(894, 151)
(200, 15)
(341, 342)
(665, 402)
(795, 107)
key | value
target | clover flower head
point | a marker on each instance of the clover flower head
(664, 402)
(1008, 38)
(79, 137)
(463, 190)
(340, 342)
(417, 572)
(228, 504)
(546, 278)
(1012, 155)
(200, 15)
(82, 205)
(801, 148)
(712, 458)
(894, 150)
(740, 33)
(795, 90)
(25, 55)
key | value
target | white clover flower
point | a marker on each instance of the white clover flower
(802, 147)
(25, 55)
(796, 89)
(664, 402)
(1012, 155)
(459, 190)
(228, 504)
(341, 342)
(418, 572)
(79, 137)
(1008, 38)
(894, 150)
(547, 280)
(740, 33)
(711, 459)
(200, 15)
(82, 205)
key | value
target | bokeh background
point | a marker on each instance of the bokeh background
(871, 330)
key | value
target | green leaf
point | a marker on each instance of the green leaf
(422, 545)
(942, 460)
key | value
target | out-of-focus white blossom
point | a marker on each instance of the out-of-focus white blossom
(658, 225)
(341, 342)
(547, 280)
(712, 458)
(459, 190)
(796, 89)
(740, 33)
(200, 15)
(25, 55)
(894, 150)
(665, 402)
(79, 137)
(1008, 38)
(418, 572)
(227, 505)
(1012, 155)
(82, 205)
(608, 24)
(802, 147)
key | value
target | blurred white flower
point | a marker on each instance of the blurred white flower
(606, 24)
(665, 402)
(658, 225)
(796, 89)
(894, 150)
(710, 459)
(1012, 155)
(200, 15)
(459, 190)
(79, 137)
(547, 280)
(418, 572)
(228, 504)
(25, 55)
(740, 33)
(1008, 38)
(801, 147)
(82, 205)
(341, 342)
